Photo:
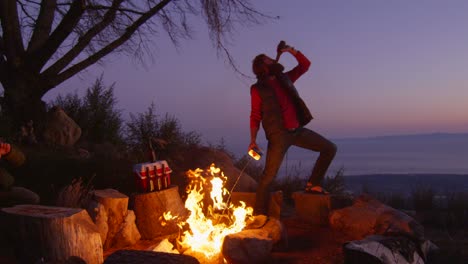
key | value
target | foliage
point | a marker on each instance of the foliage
(165, 134)
(335, 184)
(75, 195)
(253, 169)
(95, 113)
(44, 43)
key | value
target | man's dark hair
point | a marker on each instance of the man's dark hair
(258, 66)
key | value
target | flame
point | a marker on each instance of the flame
(167, 216)
(208, 224)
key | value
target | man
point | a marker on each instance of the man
(276, 104)
(9, 194)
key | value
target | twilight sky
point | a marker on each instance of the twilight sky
(378, 68)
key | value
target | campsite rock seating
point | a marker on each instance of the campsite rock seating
(53, 234)
(315, 208)
(109, 211)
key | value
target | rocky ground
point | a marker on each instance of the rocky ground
(305, 243)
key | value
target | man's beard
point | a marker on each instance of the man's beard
(276, 68)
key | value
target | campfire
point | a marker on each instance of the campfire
(211, 215)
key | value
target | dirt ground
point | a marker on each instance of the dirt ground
(310, 244)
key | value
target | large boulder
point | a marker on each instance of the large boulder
(368, 216)
(60, 129)
(203, 157)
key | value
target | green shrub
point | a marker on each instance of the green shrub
(335, 184)
(95, 113)
(165, 134)
(75, 195)
(253, 169)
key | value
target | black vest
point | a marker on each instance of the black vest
(272, 119)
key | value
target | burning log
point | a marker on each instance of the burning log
(55, 234)
(150, 208)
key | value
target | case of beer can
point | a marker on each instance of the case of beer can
(152, 176)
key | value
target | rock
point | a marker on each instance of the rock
(368, 216)
(165, 246)
(148, 257)
(275, 230)
(128, 233)
(18, 195)
(202, 158)
(61, 129)
(247, 246)
(382, 250)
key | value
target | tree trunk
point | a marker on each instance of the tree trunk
(57, 234)
(22, 101)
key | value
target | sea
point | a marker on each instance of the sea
(438, 160)
(408, 154)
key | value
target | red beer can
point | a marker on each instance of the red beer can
(152, 182)
(139, 171)
(166, 174)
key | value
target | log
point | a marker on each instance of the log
(116, 206)
(148, 257)
(150, 207)
(54, 234)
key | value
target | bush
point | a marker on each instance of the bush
(76, 195)
(95, 113)
(165, 135)
(335, 184)
(253, 169)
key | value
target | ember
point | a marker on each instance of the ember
(211, 218)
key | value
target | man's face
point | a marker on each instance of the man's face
(272, 67)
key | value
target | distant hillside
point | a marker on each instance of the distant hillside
(406, 183)
(412, 137)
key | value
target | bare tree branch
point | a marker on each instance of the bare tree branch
(63, 30)
(109, 48)
(84, 40)
(43, 24)
(123, 10)
(13, 41)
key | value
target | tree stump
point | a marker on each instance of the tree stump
(150, 207)
(116, 206)
(54, 234)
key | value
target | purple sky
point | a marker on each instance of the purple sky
(378, 68)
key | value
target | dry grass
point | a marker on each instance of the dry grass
(76, 195)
